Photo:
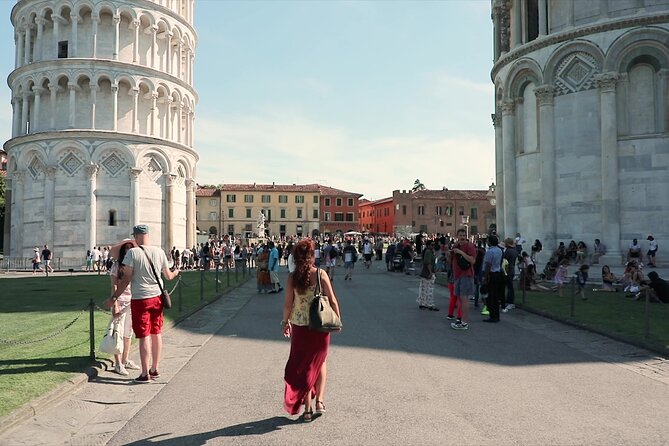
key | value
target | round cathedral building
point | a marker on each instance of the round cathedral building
(582, 120)
(103, 112)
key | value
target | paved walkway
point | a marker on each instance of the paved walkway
(398, 376)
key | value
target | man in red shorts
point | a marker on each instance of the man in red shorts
(146, 305)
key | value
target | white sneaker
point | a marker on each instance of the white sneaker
(118, 368)
(129, 364)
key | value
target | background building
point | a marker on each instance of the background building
(103, 111)
(582, 120)
(377, 217)
(234, 209)
(443, 211)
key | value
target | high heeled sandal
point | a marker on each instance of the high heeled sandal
(308, 415)
(320, 409)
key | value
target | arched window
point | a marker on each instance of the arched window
(112, 217)
(641, 99)
(528, 115)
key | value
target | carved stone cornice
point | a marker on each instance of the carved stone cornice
(574, 33)
(545, 94)
(606, 82)
(18, 176)
(496, 122)
(169, 179)
(135, 173)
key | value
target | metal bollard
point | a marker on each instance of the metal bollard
(227, 273)
(236, 270)
(201, 285)
(573, 297)
(179, 294)
(91, 327)
(217, 284)
(646, 322)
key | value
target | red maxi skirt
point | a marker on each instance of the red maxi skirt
(308, 351)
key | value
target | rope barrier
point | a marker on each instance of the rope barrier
(45, 338)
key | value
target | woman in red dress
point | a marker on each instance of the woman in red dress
(306, 370)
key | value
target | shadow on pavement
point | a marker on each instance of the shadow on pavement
(259, 427)
(72, 364)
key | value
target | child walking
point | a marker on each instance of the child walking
(560, 276)
(581, 279)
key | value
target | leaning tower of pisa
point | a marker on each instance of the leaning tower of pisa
(103, 111)
(582, 120)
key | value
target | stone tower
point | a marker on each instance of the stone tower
(582, 120)
(102, 136)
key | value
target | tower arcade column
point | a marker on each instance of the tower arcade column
(509, 157)
(545, 95)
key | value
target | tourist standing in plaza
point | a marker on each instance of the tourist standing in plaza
(306, 370)
(350, 257)
(462, 258)
(652, 250)
(493, 277)
(121, 308)
(274, 257)
(511, 255)
(141, 265)
(427, 278)
(367, 252)
(36, 261)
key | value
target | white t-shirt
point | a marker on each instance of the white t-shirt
(143, 284)
(367, 248)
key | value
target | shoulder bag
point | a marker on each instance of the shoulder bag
(112, 342)
(164, 295)
(321, 315)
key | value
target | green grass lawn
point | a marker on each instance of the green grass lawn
(37, 307)
(607, 312)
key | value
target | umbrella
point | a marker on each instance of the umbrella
(352, 233)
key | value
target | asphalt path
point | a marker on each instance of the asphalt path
(401, 376)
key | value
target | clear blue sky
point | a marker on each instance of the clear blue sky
(361, 96)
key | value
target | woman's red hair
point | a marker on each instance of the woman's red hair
(303, 256)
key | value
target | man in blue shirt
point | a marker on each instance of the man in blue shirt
(494, 277)
(274, 268)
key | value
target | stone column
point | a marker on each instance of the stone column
(55, 19)
(25, 113)
(516, 24)
(570, 13)
(53, 89)
(26, 49)
(545, 99)
(663, 103)
(74, 27)
(179, 122)
(114, 90)
(543, 19)
(16, 120)
(509, 162)
(37, 91)
(73, 104)
(49, 203)
(91, 217)
(94, 104)
(154, 113)
(180, 60)
(154, 47)
(18, 57)
(39, 42)
(190, 212)
(135, 108)
(168, 119)
(7, 229)
(169, 211)
(95, 19)
(134, 195)
(117, 36)
(18, 178)
(499, 174)
(192, 128)
(609, 172)
(191, 67)
(135, 46)
(168, 53)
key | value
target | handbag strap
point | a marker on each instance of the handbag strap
(153, 268)
(317, 290)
